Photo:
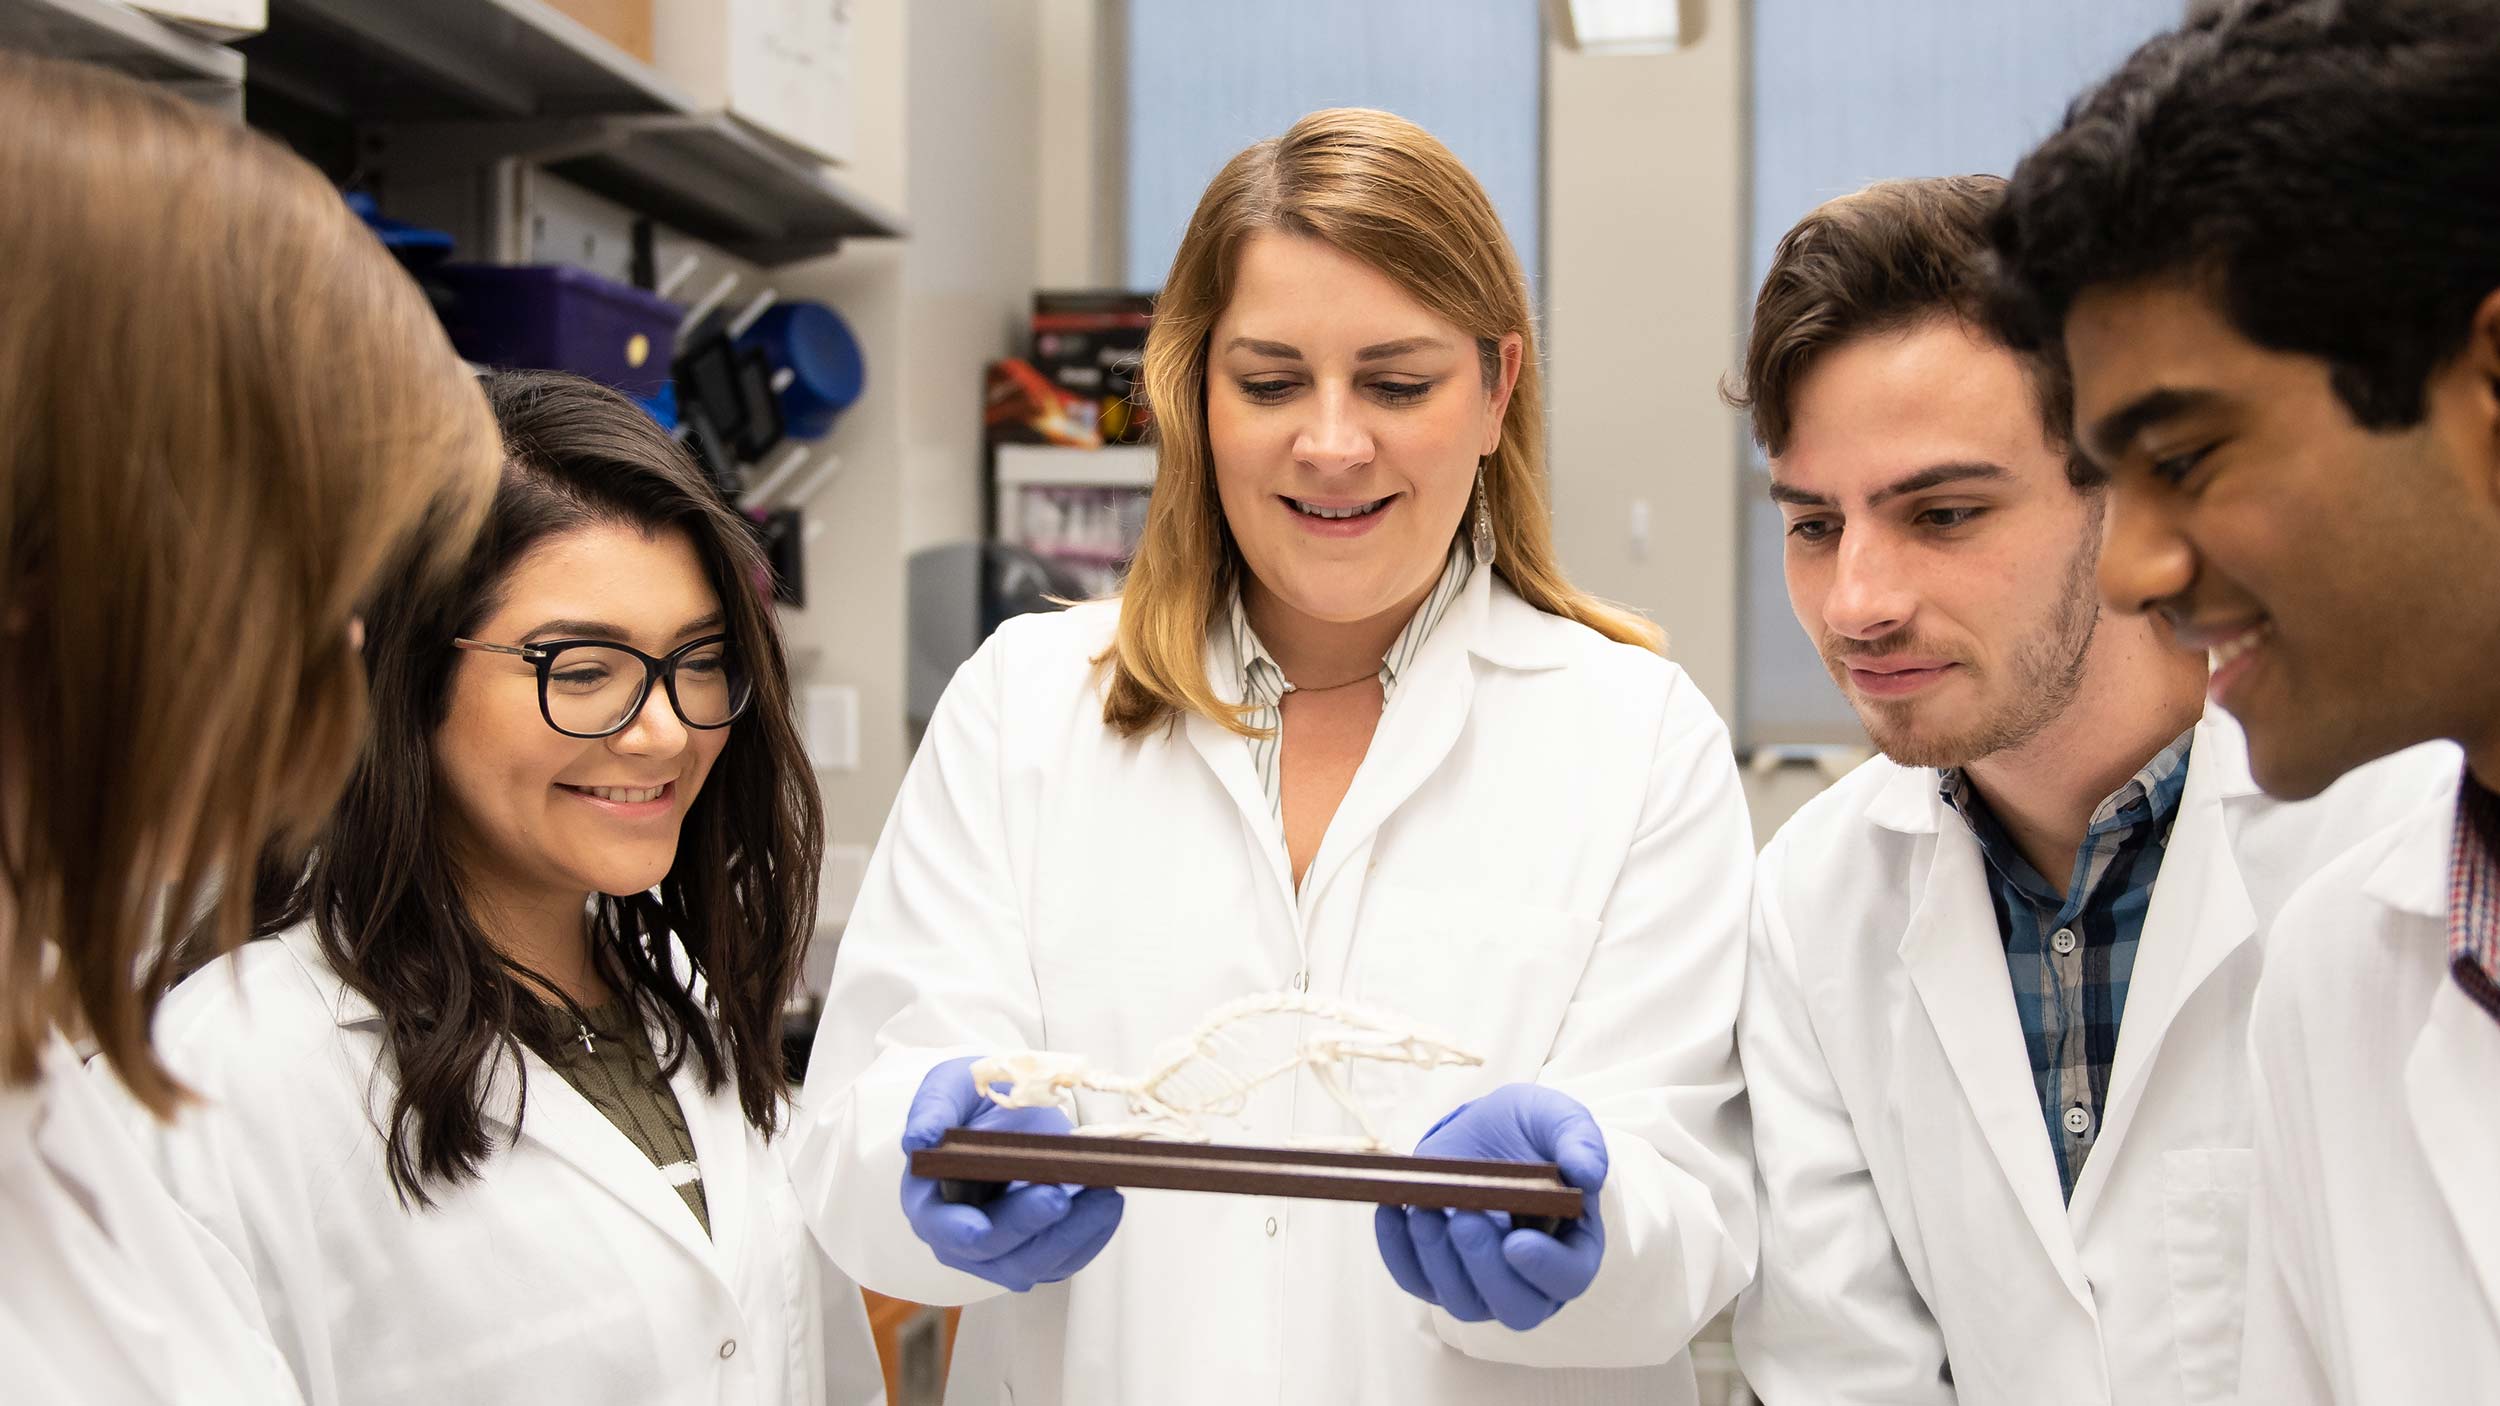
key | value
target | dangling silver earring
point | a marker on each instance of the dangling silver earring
(1484, 521)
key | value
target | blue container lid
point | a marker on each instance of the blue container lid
(413, 244)
(827, 372)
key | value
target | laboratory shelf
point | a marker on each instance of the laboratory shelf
(449, 59)
(455, 84)
(705, 174)
(113, 34)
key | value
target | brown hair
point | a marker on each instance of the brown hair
(384, 892)
(1382, 189)
(1882, 260)
(223, 412)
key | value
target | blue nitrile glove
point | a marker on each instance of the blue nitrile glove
(1034, 1233)
(1473, 1264)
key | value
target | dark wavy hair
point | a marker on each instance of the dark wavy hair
(384, 894)
(2328, 169)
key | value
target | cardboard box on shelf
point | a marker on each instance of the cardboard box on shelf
(219, 19)
(781, 66)
(1089, 343)
(1021, 405)
(624, 23)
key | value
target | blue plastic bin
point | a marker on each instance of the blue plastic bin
(554, 317)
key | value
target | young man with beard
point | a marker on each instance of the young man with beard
(1995, 1014)
(2269, 247)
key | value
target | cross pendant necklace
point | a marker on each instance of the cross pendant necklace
(588, 1046)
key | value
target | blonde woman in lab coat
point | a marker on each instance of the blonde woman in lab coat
(186, 542)
(488, 1117)
(1346, 731)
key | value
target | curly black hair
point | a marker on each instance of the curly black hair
(2328, 170)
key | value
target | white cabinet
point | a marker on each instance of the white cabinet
(783, 66)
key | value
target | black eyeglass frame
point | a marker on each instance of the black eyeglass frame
(663, 669)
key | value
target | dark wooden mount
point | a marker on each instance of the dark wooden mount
(972, 1166)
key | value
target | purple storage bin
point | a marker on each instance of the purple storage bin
(553, 317)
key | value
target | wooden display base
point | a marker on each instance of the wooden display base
(972, 1167)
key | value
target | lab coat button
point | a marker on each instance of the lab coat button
(1271, 1226)
(2064, 941)
(2078, 1121)
(728, 1349)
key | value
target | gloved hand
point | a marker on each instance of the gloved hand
(1474, 1264)
(1035, 1233)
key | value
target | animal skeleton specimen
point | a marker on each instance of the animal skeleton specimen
(1212, 1072)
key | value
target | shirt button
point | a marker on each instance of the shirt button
(2078, 1120)
(2064, 941)
(1271, 1227)
(1301, 981)
(728, 1349)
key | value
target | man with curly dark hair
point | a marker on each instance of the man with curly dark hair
(2268, 250)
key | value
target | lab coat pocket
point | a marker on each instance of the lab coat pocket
(1491, 974)
(2205, 1237)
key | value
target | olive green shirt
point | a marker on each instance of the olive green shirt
(609, 1061)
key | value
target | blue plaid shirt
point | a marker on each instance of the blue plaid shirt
(2070, 957)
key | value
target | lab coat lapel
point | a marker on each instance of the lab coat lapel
(2448, 1082)
(558, 1119)
(2455, 1062)
(1415, 734)
(722, 1151)
(1956, 962)
(2200, 915)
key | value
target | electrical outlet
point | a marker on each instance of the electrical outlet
(830, 717)
(838, 883)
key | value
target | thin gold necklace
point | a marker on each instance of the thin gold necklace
(1292, 687)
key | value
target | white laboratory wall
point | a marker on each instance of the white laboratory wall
(1082, 101)
(1644, 160)
(962, 104)
(976, 164)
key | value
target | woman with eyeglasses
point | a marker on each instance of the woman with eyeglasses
(491, 1118)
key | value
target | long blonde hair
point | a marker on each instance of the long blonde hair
(224, 414)
(1385, 191)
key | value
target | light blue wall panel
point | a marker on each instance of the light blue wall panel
(1845, 93)
(1206, 80)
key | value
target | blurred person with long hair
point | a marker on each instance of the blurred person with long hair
(227, 413)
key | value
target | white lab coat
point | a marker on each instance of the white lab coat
(1911, 1208)
(1544, 856)
(2376, 1281)
(569, 1271)
(109, 1294)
